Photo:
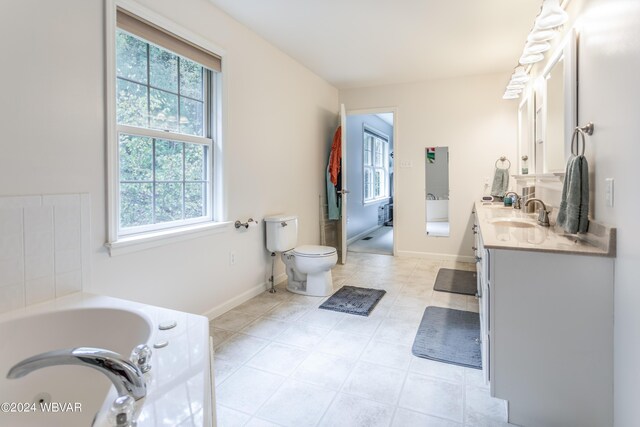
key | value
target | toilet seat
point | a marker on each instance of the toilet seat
(314, 251)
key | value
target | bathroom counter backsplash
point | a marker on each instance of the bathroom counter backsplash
(178, 385)
(600, 240)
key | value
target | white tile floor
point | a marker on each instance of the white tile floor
(281, 361)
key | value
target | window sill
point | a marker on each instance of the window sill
(150, 240)
(376, 201)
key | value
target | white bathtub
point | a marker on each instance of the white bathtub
(437, 210)
(178, 385)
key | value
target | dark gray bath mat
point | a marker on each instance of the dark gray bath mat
(456, 281)
(449, 336)
(354, 300)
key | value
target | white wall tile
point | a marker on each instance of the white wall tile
(68, 283)
(38, 266)
(38, 219)
(44, 248)
(11, 272)
(40, 290)
(12, 297)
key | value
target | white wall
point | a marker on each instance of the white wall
(609, 95)
(361, 217)
(280, 121)
(466, 114)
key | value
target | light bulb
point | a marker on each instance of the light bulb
(519, 75)
(515, 86)
(531, 58)
(536, 36)
(552, 15)
(536, 47)
(508, 95)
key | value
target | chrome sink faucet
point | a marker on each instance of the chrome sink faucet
(125, 376)
(543, 213)
(517, 201)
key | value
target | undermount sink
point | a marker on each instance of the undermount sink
(512, 222)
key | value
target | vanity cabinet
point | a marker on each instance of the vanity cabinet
(547, 330)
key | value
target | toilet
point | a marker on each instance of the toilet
(308, 267)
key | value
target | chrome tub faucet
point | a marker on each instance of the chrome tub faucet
(127, 378)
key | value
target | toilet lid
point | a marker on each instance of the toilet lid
(314, 251)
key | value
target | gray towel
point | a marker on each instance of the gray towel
(500, 182)
(573, 214)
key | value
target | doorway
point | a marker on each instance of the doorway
(370, 172)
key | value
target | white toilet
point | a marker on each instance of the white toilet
(309, 266)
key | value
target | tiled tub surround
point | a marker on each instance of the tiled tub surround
(281, 361)
(44, 248)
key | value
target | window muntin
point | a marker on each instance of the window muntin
(375, 166)
(164, 135)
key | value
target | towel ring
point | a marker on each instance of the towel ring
(578, 131)
(503, 159)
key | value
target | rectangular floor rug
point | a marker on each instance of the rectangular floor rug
(354, 300)
(449, 336)
(456, 281)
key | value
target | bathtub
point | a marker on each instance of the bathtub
(179, 391)
(437, 210)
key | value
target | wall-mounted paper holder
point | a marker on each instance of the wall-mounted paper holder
(250, 222)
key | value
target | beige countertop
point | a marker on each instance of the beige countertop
(511, 229)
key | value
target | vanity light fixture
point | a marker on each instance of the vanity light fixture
(551, 16)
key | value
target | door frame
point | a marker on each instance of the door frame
(378, 110)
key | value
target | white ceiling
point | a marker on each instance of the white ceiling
(356, 43)
(386, 117)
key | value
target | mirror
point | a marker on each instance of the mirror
(437, 191)
(557, 89)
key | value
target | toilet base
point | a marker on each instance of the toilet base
(315, 285)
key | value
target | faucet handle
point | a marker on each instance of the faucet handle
(121, 413)
(141, 357)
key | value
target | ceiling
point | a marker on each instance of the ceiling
(357, 43)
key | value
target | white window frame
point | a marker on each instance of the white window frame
(369, 131)
(144, 237)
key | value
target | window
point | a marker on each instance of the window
(165, 127)
(375, 166)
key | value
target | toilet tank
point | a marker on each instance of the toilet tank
(282, 232)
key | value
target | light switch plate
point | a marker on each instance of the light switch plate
(609, 191)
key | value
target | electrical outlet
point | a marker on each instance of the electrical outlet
(232, 258)
(608, 189)
(406, 164)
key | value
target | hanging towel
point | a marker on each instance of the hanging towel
(333, 203)
(500, 182)
(336, 156)
(573, 214)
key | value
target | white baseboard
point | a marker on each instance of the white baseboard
(243, 297)
(436, 256)
(363, 234)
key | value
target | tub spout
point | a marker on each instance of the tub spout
(125, 376)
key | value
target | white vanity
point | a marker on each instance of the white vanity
(546, 309)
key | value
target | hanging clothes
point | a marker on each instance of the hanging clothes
(336, 156)
(333, 202)
(334, 183)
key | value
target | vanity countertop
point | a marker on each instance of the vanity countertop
(511, 229)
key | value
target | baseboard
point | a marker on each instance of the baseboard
(436, 256)
(243, 297)
(363, 234)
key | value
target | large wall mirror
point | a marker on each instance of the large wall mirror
(437, 191)
(557, 91)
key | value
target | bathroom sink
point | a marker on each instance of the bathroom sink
(512, 222)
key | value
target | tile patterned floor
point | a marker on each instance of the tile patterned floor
(281, 361)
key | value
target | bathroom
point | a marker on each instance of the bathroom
(279, 113)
